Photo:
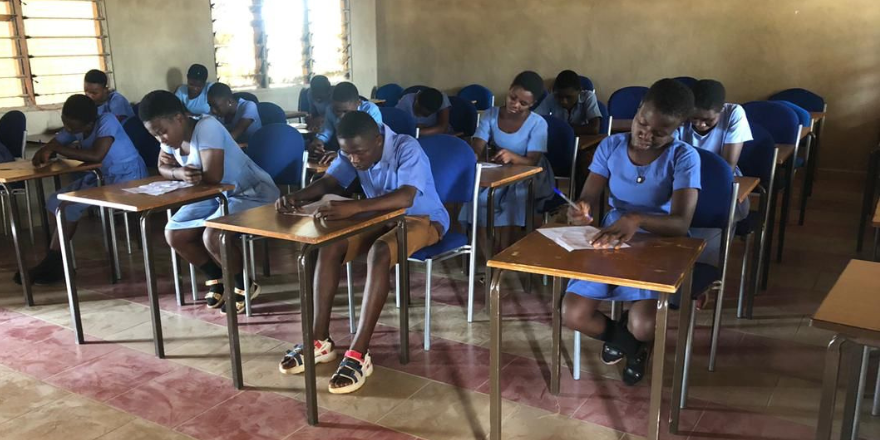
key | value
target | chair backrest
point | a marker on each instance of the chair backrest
(756, 157)
(716, 186)
(624, 103)
(414, 89)
(146, 145)
(540, 100)
(475, 92)
(560, 146)
(278, 149)
(271, 113)
(806, 99)
(247, 96)
(399, 121)
(804, 117)
(777, 118)
(302, 103)
(391, 93)
(462, 116)
(453, 165)
(586, 83)
(13, 125)
(606, 119)
(686, 80)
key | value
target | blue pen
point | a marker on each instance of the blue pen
(567, 200)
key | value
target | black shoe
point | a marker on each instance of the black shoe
(49, 271)
(214, 297)
(611, 354)
(635, 366)
(17, 278)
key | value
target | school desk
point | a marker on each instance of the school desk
(817, 124)
(850, 310)
(295, 114)
(662, 264)
(313, 234)
(621, 125)
(113, 197)
(590, 141)
(746, 186)
(24, 171)
(868, 195)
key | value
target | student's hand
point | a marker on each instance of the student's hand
(338, 210)
(616, 235)
(288, 204)
(505, 156)
(192, 175)
(581, 215)
(314, 124)
(41, 157)
(328, 157)
(317, 147)
(167, 159)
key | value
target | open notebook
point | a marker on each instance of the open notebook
(159, 188)
(312, 208)
(573, 238)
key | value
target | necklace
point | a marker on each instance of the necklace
(640, 174)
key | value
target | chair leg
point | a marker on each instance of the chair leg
(351, 325)
(193, 283)
(472, 261)
(688, 351)
(743, 282)
(247, 277)
(545, 279)
(27, 198)
(3, 213)
(875, 409)
(716, 325)
(251, 259)
(114, 243)
(397, 285)
(127, 232)
(72, 256)
(429, 263)
(616, 310)
(576, 357)
(267, 270)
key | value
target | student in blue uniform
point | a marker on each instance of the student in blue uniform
(194, 94)
(719, 127)
(319, 100)
(345, 99)
(572, 104)
(101, 139)
(394, 173)
(238, 115)
(108, 101)
(513, 134)
(654, 182)
(198, 150)
(5, 155)
(430, 108)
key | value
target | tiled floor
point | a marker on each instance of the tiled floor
(766, 385)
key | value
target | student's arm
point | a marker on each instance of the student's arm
(240, 128)
(440, 127)
(327, 184)
(590, 200)
(508, 157)
(731, 152)
(478, 146)
(212, 165)
(673, 225)
(401, 198)
(592, 127)
(94, 155)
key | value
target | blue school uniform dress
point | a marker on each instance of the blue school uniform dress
(403, 162)
(121, 164)
(406, 103)
(677, 167)
(318, 108)
(328, 130)
(586, 108)
(510, 201)
(118, 106)
(253, 186)
(199, 104)
(246, 110)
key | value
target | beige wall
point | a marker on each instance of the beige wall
(755, 47)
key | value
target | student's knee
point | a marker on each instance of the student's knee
(333, 253)
(641, 325)
(379, 255)
(211, 240)
(176, 238)
(575, 310)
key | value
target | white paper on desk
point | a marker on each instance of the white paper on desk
(159, 188)
(311, 209)
(573, 238)
(487, 165)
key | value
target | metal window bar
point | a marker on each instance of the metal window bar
(59, 74)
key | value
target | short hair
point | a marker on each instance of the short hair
(355, 124)
(160, 104)
(80, 108)
(671, 98)
(345, 92)
(567, 79)
(530, 82)
(95, 76)
(197, 72)
(219, 91)
(709, 94)
(320, 84)
(430, 99)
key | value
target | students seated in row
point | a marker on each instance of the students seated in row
(345, 99)
(654, 182)
(101, 140)
(430, 108)
(238, 115)
(513, 134)
(319, 100)
(194, 94)
(569, 102)
(108, 101)
(199, 150)
(394, 173)
(718, 127)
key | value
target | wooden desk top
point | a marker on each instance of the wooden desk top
(876, 220)
(22, 170)
(852, 306)
(656, 263)
(40, 138)
(591, 141)
(621, 125)
(113, 196)
(377, 101)
(817, 115)
(295, 114)
(746, 186)
(506, 175)
(785, 151)
(265, 221)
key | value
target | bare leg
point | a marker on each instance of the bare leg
(327, 272)
(581, 314)
(189, 244)
(642, 319)
(211, 240)
(375, 294)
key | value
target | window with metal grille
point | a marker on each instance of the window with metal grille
(279, 43)
(46, 46)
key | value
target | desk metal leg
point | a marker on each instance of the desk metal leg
(403, 282)
(556, 324)
(15, 223)
(153, 296)
(657, 367)
(829, 389)
(175, 269)
(855, 389)
(530, 223)
(110, 243)
(783, 216)
(226, 249)
(67, 258)
(114, 246)
(44, 216)
(306, 271)
(767, 239)
(495, 357)
(686, 317)
(490, 236)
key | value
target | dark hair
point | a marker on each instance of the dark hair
(345, 92)
(219, 91)
(159, 104)
(197, 72)
(567, 79)
(709, 94)
(430, 99)
(80, 108)
(95, 76)
(530, 82)
(320, 84)
(671, 98)
(355, 124)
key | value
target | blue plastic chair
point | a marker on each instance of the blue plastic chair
(475, 92)
(686, 80)
(540, 100)
(462, 116)
(624, 103)
(561, 152)
(391, 93)
(247, 96)
(605, 124)
(414, 89)
(807, 159)
(804, 98)
(399, 121)
(271, 113)
(302, 103)
(146, 145)
(587, 83)
(13, 134)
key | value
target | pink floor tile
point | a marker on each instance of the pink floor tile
(727, 423)
(385, 346)
(454, 363)
(250, 415)
(55, 354)
(27, 330)
(337, 426)
(6, 315)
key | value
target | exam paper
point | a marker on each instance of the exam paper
(311, 209)
(487, 165)
(159, 188)
(573, 238)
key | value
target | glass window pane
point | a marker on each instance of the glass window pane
(11, 102)
(235, 52)
(10, 86)
(60, 28)
(283, 22)
(327, 38)
(64, 65)
(61, 9)
(63, 46)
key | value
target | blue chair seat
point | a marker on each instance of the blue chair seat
(452, 240)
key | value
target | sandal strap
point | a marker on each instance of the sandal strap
(295, 354)
(350, 369)
(214, 295)
(213, 282)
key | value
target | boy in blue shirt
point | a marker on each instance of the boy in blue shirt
(238, 115)
(345, 99)
(394, 173)
(108, 101)
(319, 99)
(430, 109)
(571, 104)
(194, 94)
